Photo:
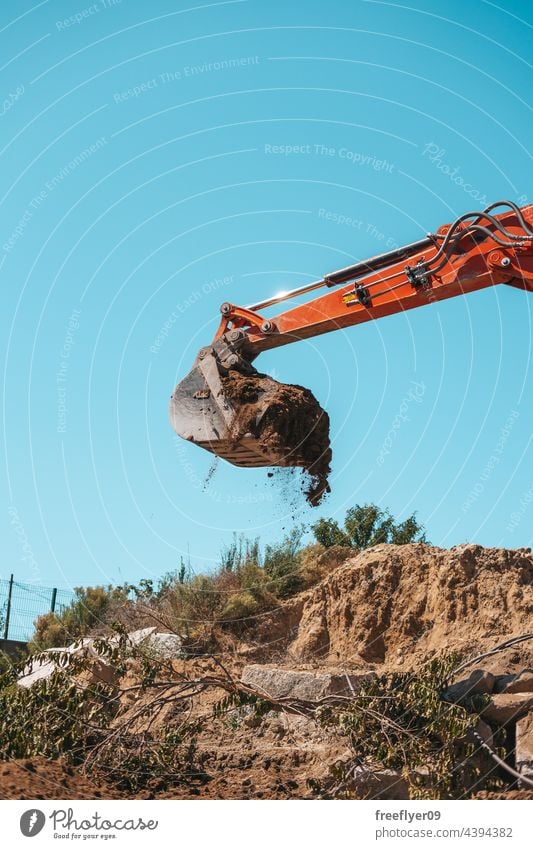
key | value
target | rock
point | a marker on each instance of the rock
(524, 746)
(521, 683)
(309, 686)
(166, 645)
(277, 729)
(508, 707)
(302, 732)
(163, 644)
(252, 721)
(479, 681)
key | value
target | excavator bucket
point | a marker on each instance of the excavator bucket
(201, 411)
(249, 419)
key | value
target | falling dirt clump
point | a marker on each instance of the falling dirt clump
(288, 422)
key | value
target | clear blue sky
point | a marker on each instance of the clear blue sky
(141, 187)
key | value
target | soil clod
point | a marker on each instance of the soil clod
(288, 422)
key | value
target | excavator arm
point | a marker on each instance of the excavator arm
(459, 258)
(477, 250)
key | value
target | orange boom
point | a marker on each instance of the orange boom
(477, 250)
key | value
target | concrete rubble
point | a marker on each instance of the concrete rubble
(278, 683)
(162, 645)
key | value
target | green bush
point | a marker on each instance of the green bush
(192, 605)
(367, 525)
(63, 717)
(240, 606)
(282, 565)
(91, 608)
(52, 718)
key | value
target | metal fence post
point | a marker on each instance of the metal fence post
(8, 608)
(53, 602)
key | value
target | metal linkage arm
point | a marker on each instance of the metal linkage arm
(475, 251)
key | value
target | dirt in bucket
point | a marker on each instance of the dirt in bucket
(287, 420)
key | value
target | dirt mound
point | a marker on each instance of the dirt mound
(38, 778)
(395, 605)
(288, 421)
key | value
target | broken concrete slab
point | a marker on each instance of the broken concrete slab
(44, 665)
(524, 746)
(166, 645)
(163, 645)
(38, 669)
(136, 638)
(279, 683)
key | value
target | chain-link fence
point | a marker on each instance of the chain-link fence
(21, 604)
